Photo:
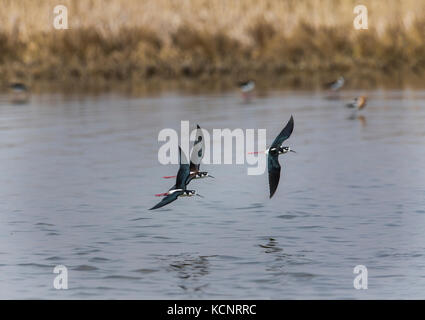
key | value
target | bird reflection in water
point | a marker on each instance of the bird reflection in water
(361, 118)
(280, 259)
(271, 246)
(190, 270)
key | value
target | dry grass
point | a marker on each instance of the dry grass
(139, 39)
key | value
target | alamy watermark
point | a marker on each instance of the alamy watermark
(360, 281)
(60, 17)
(60, 282)
(219, 146)
(361, 20)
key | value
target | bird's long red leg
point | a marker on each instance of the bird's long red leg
(169, 177)
(161, 194)
(256, 152)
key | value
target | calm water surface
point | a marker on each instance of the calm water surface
(79, 173)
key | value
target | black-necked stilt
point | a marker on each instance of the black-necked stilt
(179, 190)
(336, 85)
(246, 87)
(273, 153)
(196, 157)
(19, 92)
(358, 103)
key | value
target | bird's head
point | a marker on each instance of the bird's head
(189, 193)
(286, 150)
(204, 174)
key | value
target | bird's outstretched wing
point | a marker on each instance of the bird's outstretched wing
(184, 171)
(284, 134)
(274, 172)
(197, 150)
(167, 199)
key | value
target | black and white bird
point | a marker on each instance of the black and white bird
(247, 88)
(180, 188)
(198, 152)
(336, 85)
(196, 157)
(273, 153)
(18, 92)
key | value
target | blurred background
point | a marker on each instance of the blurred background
(212, 42)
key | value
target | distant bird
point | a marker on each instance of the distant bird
(19, 92)
(246, 87)
(336, 85)
(18, 86)
(196, 157)
(179, 190)
(273, 153)
(358, 103)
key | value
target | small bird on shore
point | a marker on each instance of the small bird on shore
(358, 103)
(336, 85)
(196, 157)
(180, 188)
(273, 153)
(247, 88)
(18, 92)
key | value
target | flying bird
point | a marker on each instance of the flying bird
(336, 85)
(273, 153)
(196, 157)
(179, 190)
(358, 103)
(198, 152)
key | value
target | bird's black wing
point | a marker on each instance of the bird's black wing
(184, 171)
(197, 151)
(274, 172)
(167, 199)
(284, 134)
(17, 86)
(329, 84)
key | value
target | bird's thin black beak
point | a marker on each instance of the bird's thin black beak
(293, 151)
(199, 195)
(211, 176)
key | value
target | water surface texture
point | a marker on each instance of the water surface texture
(78, 175)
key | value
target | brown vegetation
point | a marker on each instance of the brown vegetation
(135, 40)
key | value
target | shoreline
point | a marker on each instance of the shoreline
(302, 81)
